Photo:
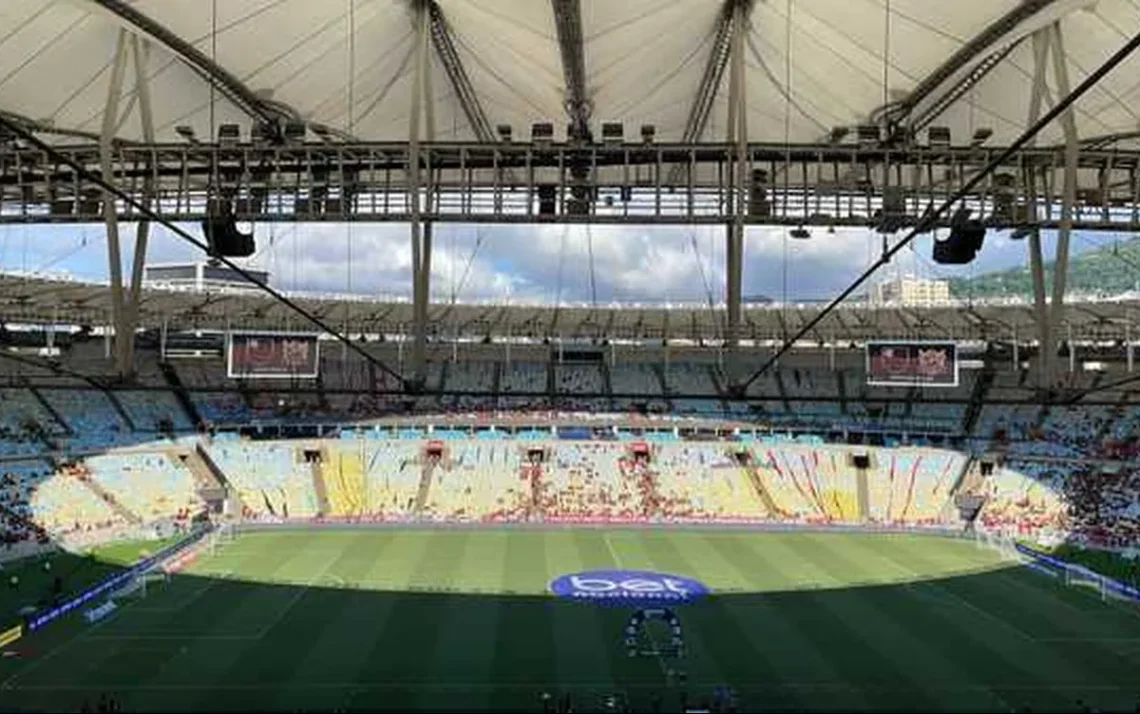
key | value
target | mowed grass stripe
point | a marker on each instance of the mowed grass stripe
(392, 635)
(338, 652)
(973, 624)
(459, 619)
(874, 651)
(767, 649)
(959, 631)
(524, 649)
(160, 645)
(296, 602)
(798, 646)
(469, 625)
(586, 639)
(712, 656)
(850, 671)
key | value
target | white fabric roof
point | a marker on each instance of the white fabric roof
(345, 63)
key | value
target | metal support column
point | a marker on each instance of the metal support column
(1069, 190)
(738, 134)
(1036, 261)
(110, 212)
(419, 232)
(140, 52)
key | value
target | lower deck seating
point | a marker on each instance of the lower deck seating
(270, 478)
(479, 481)
(372, 477)
(150, 485)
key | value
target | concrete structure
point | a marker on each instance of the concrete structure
(911, 291)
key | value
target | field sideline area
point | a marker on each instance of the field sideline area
(461, 619)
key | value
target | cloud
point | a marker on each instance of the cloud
(541, 263)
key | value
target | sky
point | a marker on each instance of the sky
(532, 263)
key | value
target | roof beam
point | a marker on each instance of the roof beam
(711, 78)
(444, 44)
(568, 23)
(226, 83)
(900, 113)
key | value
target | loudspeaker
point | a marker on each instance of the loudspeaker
(224, 238)
(963, 244)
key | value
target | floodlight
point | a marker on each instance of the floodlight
(294, 132)
(229, 134)
(938, 137)
(612, 133)
(648, 131)
(504, 131)
(867, 134)
(981, 136)
(542, 133)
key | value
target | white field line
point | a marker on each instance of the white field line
(63, 646)
(214, 578)
(610, 547)
(665, 669)
(301, 592)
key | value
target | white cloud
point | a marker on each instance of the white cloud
(530, 263)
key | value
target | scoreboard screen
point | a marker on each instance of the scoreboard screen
(912, 364)
(268, 355)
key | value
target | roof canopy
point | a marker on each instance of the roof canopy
(347, 64)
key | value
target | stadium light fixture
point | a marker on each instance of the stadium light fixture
(613, 133)
(294, 132)
(648, 131)
(504, 131)
(981, 136)
(229, 134)
(867, 134)
(542, 133)
(938, 137)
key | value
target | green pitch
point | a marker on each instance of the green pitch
(459, 619)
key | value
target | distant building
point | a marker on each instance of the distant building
(200, 277)
(910, 291)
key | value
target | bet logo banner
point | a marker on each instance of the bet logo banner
(638, 588)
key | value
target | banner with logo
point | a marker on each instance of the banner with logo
(1117, 588)
(912, 364)
(272, 355)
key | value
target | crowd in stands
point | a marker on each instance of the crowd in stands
(1053, 483)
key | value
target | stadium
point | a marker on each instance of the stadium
(513, 436)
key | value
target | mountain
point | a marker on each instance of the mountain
(1109, 270)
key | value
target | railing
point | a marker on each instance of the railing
(826, 185)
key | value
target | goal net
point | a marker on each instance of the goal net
(999, 543)
(136, 587)
(221, 537)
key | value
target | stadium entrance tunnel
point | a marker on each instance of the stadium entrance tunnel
(295, 621)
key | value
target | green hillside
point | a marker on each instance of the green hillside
(1112, 269)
